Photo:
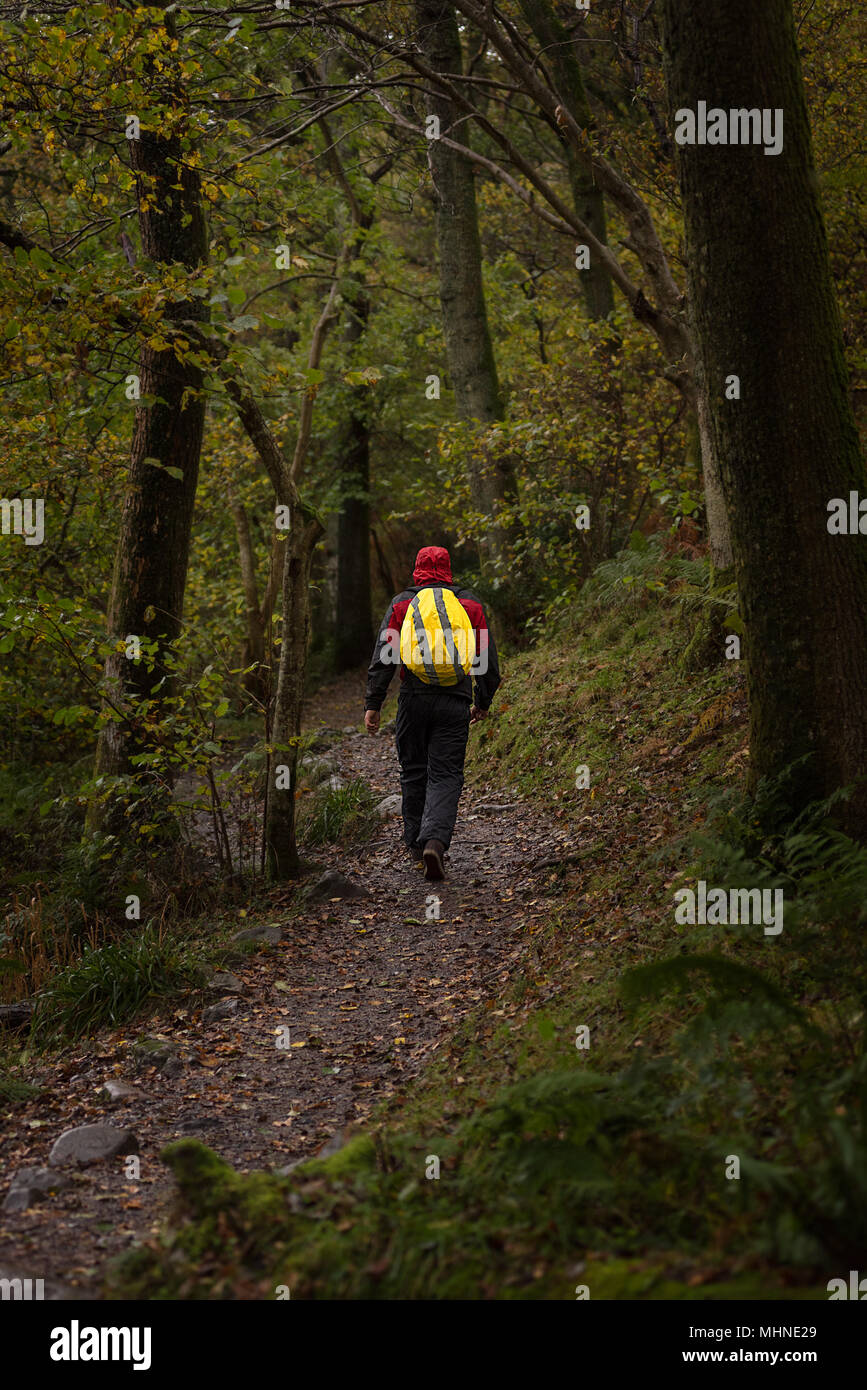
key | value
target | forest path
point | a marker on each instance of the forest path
(368, 988)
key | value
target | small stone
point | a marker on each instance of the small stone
(41, 1179)
(390, 806)
(89, 1144)
(317, 769)
(172, 1066)
(335, 885)
(116, 1090)
(333, 1146)
(155, 1052)
(196, 1123)
(349, 729)
(20, 1198)
(335, 784)
(224, 982)
(271, 934)
(223, 1009)
(322, 741)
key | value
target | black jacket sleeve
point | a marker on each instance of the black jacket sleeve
(383, 663)
(486, 683)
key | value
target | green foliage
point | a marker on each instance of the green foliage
(111, 985)
(337, 814)
(762, 1044)
(594, 426)
(14, 1090)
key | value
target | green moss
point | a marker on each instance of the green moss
(208, 1186)
(356, 1156)
(628, 1280)
(225, 1225)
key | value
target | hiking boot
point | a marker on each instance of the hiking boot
(414, 852)
(433, 860)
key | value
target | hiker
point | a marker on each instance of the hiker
(438, 634)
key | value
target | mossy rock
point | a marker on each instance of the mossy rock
(207, 1185)
(225, 1228)
(357, 1156)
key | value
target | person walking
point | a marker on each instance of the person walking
(437, 633)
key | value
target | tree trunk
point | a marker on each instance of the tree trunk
(469, 350)
(716, 516)
(462, 298)
(281, 847)
(353, 634)
(561, 55)
(256, 651)
(153, 547)
(764, 310)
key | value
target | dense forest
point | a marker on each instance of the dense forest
(290, 292)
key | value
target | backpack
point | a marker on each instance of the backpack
(437, 641)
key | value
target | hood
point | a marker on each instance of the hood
(432, 566)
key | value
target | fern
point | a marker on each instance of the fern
(727, 978)
(717, 712)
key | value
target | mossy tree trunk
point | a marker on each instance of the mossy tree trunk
(353, 632)
(589, 201)
(154, 542)
(764, 310)
(282, 859)
(470, 353)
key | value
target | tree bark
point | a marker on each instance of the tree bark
(764, 309)
(153, 546)
(256, 650)
(470, 353)
(462, 298)
(587, 196)
(716, 515)
(282, 859)
(353, 633)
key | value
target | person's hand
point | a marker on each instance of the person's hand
(476, 714)
(371, 720)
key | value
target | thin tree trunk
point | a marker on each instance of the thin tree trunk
(716, 515)
(353, 628)
(764, 310)
(282, 857)
(256, 614)
(561, 54)
(305, 528)
(353, 633)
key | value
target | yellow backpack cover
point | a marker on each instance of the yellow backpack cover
(437, 641)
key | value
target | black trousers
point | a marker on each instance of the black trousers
(432, 729)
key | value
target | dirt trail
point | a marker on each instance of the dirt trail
(369, 988)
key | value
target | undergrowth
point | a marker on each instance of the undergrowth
(709, 1142)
